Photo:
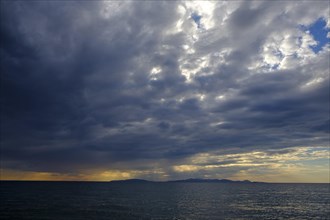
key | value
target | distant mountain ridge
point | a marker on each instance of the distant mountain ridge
(191, 180)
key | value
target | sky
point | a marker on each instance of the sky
(165, 90)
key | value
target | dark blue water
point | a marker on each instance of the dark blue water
(92, 200)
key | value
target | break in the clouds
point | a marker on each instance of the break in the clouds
(165, 90)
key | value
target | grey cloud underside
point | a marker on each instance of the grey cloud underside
(76, 90)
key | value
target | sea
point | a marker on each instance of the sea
(162, 201)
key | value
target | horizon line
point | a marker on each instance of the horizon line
(160, 181)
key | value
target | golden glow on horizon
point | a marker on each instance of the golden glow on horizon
(92, 175)
(7, 174)
(288, 174)
(288, 165)
(302, 164)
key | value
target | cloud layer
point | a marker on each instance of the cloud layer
(145, 87)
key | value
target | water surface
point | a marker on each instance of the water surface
(194, 201)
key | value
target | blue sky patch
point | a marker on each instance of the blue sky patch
(319, 32)
(197, 19)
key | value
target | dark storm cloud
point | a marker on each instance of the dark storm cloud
(97, 84)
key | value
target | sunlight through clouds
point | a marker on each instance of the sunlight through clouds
(165, 90)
